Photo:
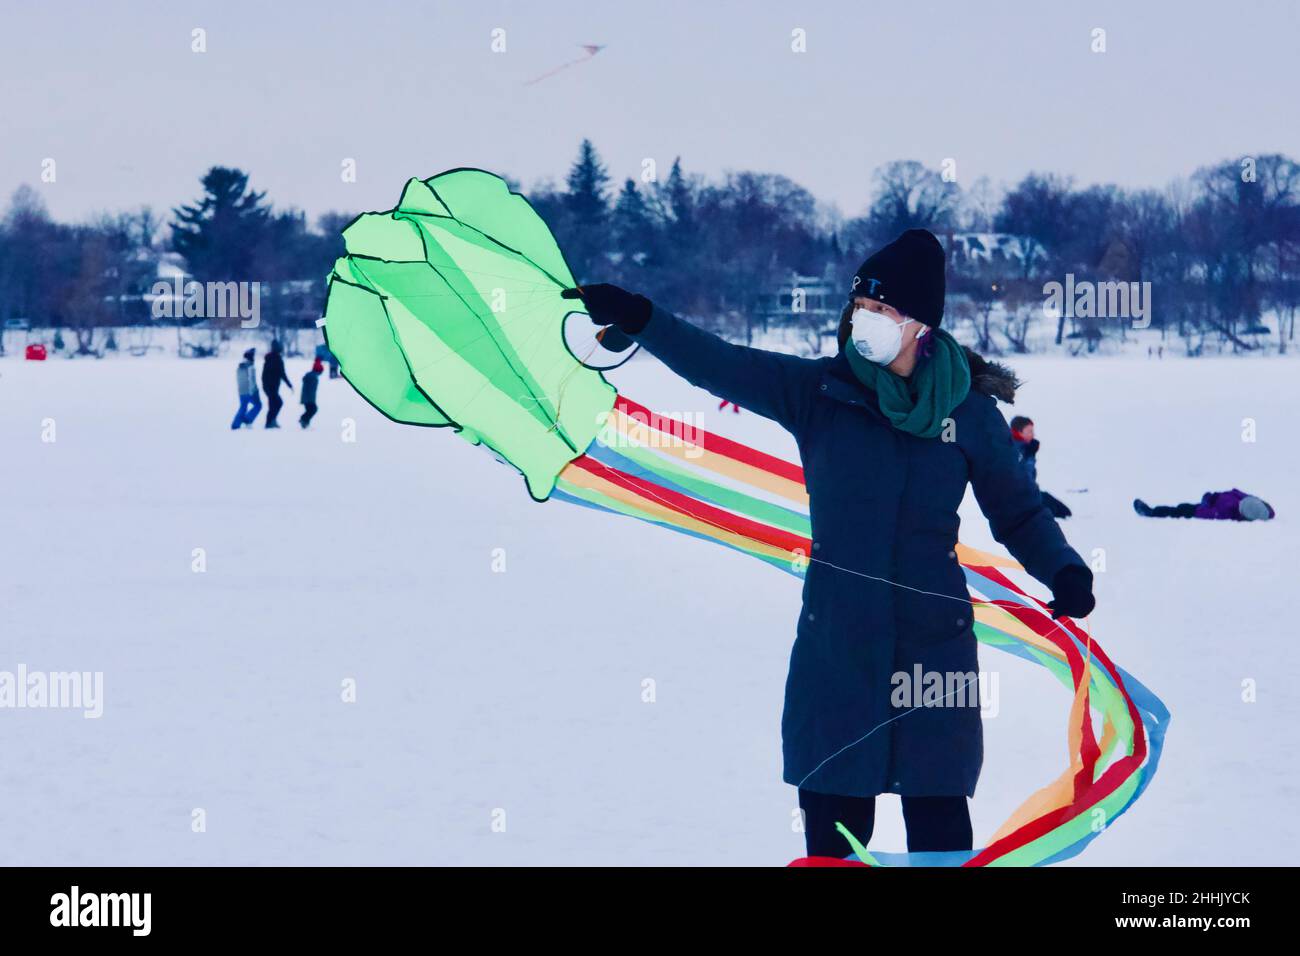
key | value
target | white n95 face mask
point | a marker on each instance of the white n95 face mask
(878, 338)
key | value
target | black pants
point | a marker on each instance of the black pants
(933, 823)
(309, 412)
(273, 405)
(1185, 510)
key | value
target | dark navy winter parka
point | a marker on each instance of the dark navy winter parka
(884, 591)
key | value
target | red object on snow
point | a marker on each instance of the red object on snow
(36, 353)
(828, 861)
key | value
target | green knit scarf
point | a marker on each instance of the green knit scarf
(920, 403)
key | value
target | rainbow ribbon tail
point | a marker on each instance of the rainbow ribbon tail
(665, 471)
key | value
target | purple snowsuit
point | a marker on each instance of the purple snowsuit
(1225, 505)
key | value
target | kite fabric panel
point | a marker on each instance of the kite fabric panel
(446, 311)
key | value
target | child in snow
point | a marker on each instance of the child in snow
(309, 383)
(329, 358)
(890, 430)
(1234, 505)
(250, 403)
(1022, 433)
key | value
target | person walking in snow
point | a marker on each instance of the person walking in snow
(273, 374)
(250, 403)
(1234, 505)
(1022, 433)
(890, 430)
(309, 383)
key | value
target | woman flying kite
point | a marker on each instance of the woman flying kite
(891, 430)
(450, 311)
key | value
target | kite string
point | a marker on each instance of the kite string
(897, 584)
(1089, 672)
(564, 382)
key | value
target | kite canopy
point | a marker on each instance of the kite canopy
(446, 311)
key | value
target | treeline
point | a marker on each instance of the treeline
(1220, 250)
(96, 275)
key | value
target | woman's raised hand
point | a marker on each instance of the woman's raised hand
(609, 305)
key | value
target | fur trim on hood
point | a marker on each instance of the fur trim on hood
(992, 378)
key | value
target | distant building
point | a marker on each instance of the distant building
(294, 302)
(283, 304)
(170, 269)
(996, 249)
(801, 299)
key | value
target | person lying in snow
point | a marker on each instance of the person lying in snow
(1022, 433)
(1234, 505)
(890, 430)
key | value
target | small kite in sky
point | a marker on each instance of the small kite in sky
(591, 48)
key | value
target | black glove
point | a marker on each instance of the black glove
(1072, 592)
(610, 305)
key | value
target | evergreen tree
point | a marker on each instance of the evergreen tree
(219, 235)
(634, 233)
(586, 213)
(588, 183)
(679, 198)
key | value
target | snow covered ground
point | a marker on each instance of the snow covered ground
(485, 696)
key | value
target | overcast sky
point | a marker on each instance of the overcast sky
(288, 90)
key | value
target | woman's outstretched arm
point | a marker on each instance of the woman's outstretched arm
(772, 384)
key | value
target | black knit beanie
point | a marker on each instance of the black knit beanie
(906, 274)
